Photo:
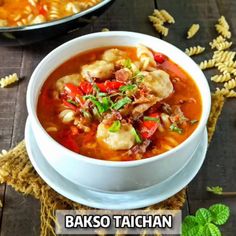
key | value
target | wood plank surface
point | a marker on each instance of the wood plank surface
(21, 213)
(220, 165)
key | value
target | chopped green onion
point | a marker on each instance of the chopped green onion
(102, 94)
(149, 118)
(115, 127)
(137, 137)
(86, 114)
(128, 63)
(122, 102)
(192, 122)
(127, 87)
(72, 102)
(176, 129)
(96, 88)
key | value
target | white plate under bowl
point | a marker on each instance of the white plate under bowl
(116, 200)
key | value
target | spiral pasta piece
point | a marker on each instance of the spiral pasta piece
(161, 29)
(167, 16)
(223, 45)
(223, 56)
(155, 20)
(224, 68)
(193, 30)
(207, 64)
(221, 78)
(159, 15)
(10, 79)
(218, 40)
(194, 50)
(226, 92)
(230, 84)
(223, 31)
(230, 63)
(222, 21)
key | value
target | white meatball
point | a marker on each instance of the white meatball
(74, 79)
(99, 69)
(159, 83)
(122, 140)
(113, 55)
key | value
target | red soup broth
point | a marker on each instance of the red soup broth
(186, 94)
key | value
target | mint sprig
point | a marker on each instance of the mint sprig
(206, 221)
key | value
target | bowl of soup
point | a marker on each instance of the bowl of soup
(29, 21)
(118, 111)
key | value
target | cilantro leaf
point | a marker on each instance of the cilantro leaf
(220, 213)
(115, 127)
(203, 216)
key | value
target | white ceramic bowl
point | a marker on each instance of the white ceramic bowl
(106, 175)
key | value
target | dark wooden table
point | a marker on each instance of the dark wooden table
(20, 214)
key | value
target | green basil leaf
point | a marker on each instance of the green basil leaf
(220, 213)
(122, 102)
(211, 230)
(137, 137)
(115, 127)
(203, 216)
(149, 118)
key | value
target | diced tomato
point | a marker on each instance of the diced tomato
(69, 105)
(149, 127)
(72, 90)
(159, 58)
(109, 86)
(86, 87)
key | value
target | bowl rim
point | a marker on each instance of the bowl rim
(55, 22)
(35, 121)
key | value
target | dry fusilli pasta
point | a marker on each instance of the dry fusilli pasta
(194, 50)
(193, 30)
(216, 41)
(223, 31)
(158, 14)
(226, 92)
(222, 21)
(230, 84)
(223, 45)
(221, 78)
(155, 20)
(161, 29)
(223, 56)
(207, 64)
(167, 16)
(10, 79)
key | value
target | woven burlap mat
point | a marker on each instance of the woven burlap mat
(16, 170)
